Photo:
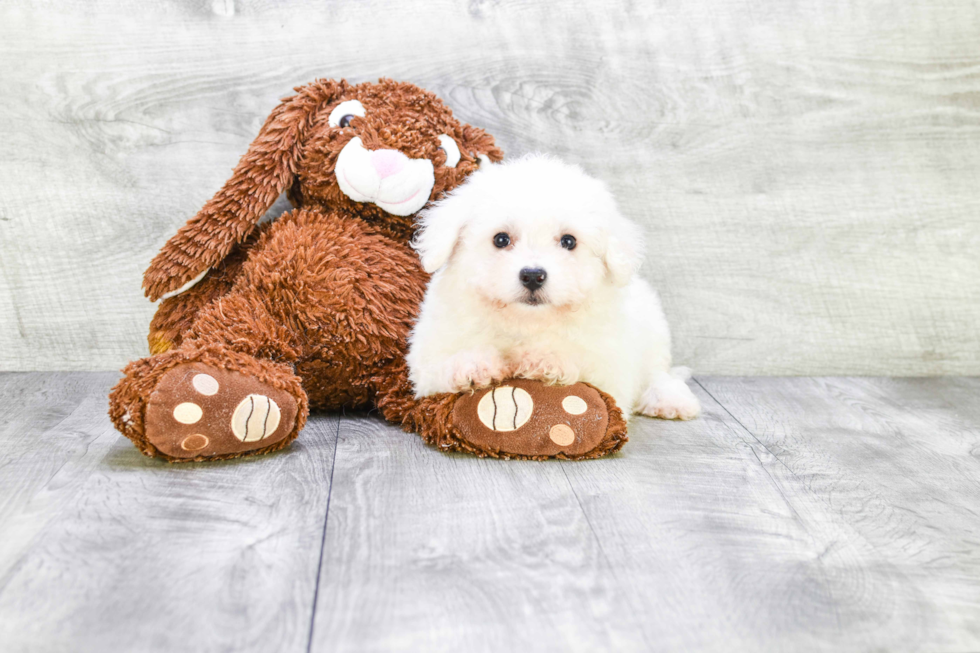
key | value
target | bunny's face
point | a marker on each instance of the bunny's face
(384, 150)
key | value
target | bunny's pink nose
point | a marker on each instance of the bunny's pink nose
(387, 162)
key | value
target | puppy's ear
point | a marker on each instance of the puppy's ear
(624, 249)
(440, 227)
(230, 216)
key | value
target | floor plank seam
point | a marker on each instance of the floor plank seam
(772, 479)
(876, 548)
(585, 515)
(323, 537)
(602, 550)
(754, 437)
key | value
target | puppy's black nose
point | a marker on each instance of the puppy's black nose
(533, 278)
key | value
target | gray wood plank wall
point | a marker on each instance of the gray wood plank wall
(807, 172)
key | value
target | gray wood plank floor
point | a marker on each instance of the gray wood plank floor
(836, 514)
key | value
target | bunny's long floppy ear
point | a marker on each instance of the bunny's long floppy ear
(259, 178)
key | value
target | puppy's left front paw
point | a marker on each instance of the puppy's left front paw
(669, 398)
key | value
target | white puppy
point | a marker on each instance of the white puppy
(535, 277)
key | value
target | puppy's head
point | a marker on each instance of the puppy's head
(534, 234)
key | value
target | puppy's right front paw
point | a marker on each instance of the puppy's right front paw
(474, 370)
(544, 366)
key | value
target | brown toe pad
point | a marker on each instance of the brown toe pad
(201, 411)
(527, 418)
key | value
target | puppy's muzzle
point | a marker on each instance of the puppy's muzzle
(532, 278)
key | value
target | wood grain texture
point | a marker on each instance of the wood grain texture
(430, 552)
(882, 478)
(806, 173)
(699, 536)
(106, 550)
(818, 514)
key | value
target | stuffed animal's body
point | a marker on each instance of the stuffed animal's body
(261, 323)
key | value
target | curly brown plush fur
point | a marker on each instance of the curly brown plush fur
(318, 303)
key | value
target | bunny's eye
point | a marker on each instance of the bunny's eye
(501, 240)
(447, 144)
(568, 241)
(344, 112)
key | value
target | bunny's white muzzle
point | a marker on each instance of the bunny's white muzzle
(387, 178)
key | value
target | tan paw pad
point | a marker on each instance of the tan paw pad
(205, 384)
(188, 413)
(505, 408)
(194, 442)
(574, 405)
(562, 434)
(255, 418)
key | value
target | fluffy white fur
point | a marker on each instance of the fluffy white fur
(593, 320)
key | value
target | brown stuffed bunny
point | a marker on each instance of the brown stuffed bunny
(259, 323)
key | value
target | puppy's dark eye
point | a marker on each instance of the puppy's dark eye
(568, 241)
(345, 121)
(501, 240)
